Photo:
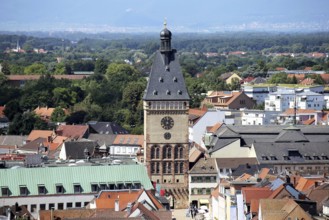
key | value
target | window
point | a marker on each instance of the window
(176, 167)
(42, 206)
(181, 167)
(157, 167)
(94, 187)
(59, 189)
(77, 188)
(5, 191)
(33, 208)
(23, 190)
(78, 204)
(103, 186)
(69, 205)
(41, 189)
(164, 167)
(157, 153)
(51, 206)
(60, 206)
(153, 167)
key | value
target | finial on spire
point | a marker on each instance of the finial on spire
(165, 23)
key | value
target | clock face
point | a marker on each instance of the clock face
(167, 122)
(167, 135)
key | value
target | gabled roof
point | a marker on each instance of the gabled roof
(304, 184)
(147, 214)
(34, 134)
(291, 134)
(33, 145)
(75, 149)
(307, 81)
(291, 111)
(214, 128)
(12, 140)
(166, 82)
(129, 139)
(256, 193)
(106, 199)
(108, 139)
(204, 166)
(229, 96)
(46, 112)
(225, 76)
(107, 128)
(72, 131)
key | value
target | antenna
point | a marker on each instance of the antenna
(295, 109)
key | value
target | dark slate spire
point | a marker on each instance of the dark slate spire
(166, 81)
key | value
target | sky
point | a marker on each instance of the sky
(149, 15)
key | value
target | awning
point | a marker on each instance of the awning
(204, 201)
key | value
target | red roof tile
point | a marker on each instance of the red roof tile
(72, 131)
(129, 139)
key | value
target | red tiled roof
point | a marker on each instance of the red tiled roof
(106, 199)
(129, 139)
(309, 121)
(307, 82)
(325, 77)
(34, 134)
(250, 193)
(46, 112)
(72, 131)
(291, 111)
(263, 173)
(215, 127)
(304, 184)
(197, 112)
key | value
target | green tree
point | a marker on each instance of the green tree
(58, 115)
(12, 108)
(132, 95)
(35, 68)
(5, 68)
(100, 66)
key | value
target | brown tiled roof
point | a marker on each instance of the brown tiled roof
(34, 134)
(106, 199)
(250, 193)
(59, 139)
(129, 139)
(155, 201)
(72, 131)
(263, 173)
(235, 162)
(195, 153)
(304, 184)
(243, 177)
(291, 111)
(307, 81)
(325, 77)
(309, 121)
(215, 127)
(320, 195)
(197, 112)
(66, 214)
(46, 112)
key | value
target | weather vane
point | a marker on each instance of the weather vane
(165, 23)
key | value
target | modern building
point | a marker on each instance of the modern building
(166, 105)
(65, 187)
(258, 117)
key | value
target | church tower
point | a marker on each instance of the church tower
(166, 105)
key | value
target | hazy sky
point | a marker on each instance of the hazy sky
(148, 15)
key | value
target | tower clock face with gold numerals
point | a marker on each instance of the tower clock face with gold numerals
(167, 122)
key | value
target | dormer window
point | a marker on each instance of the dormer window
(324, 157)
(315, 157)
(77, 188)
(5, 191)
(179, 92)
(59, 189)
(272, 157)
(168, 92)
(307, 157)
(175, 79)
(264, 157)
(23, 190)
(286, 157)
(155, 92)
(160, 79)
(41, 189)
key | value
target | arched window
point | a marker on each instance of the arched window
(157, 152)
(176, 152)
(157, 167)
(164, 167)
(168, 167)
(176, 167)
(181, 150)
(168, 151)
(181, 167)
(152, 152)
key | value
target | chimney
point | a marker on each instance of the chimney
(116, 205)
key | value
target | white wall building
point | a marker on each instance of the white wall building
(210, 118)
(258, 92)
(258, 117)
